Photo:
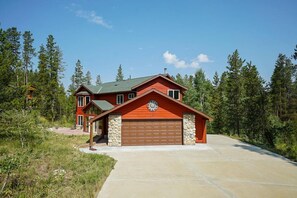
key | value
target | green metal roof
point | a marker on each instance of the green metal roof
(119, 86)
(103, 104)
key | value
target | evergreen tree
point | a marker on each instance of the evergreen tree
(281, 86)
(179, 79)
(6, 71)
(98, 80)
(28, 53)
(88, 78)
(78, 75)
(253, 107)
(203, 90)
(219, 103)
(190, 95)
(120, 75)
(42, 80)
(54, 58)
(13, 37)
(234, 93)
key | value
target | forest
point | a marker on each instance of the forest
(241, 103)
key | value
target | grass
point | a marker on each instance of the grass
(53, 168)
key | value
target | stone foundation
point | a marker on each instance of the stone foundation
(114, 130)
(189, 129)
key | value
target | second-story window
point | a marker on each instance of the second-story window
(80, 101)
(173, 93)
(120, 98)
(131, 95)
(87, 99)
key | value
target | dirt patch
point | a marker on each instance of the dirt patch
(68, 131)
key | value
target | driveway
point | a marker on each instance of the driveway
(223, 167)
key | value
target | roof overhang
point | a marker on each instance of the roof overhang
(206, 117)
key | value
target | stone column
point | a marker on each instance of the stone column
(189, 129)
(114, 130)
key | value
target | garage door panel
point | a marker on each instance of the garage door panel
(151, 132)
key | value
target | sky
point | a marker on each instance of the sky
(147, 36)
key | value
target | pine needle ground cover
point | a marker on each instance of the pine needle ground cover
(49, 166)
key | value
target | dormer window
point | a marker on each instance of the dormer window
(173, 93)
(120, 98)
(131, 95)
(87, 99)
(80, 101)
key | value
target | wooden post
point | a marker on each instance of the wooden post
(91, 136)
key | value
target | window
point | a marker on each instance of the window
(120, 98)
(80, 121)
(173, 94)
(131, 95)
(87, 99)
(80, 101)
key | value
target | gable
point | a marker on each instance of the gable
(166, 109)
(161, 84)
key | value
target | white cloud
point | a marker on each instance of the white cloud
(172, 59)
(90, 16)
(203, 58)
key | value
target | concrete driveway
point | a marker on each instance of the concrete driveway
(224, 167)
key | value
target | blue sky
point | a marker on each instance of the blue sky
(146, 36)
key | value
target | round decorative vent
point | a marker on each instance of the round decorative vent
(152, 105)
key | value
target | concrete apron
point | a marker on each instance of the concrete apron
(223, 167)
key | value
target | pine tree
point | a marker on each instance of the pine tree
(6, 71)
(203, 90)
(28, 53)
(120, 75)
(219, 103)
(179, 79)
(78, 75)
(234, 93)
(88, 78)
(98, 80)
(253, 107)
(42, 81)
(13, 37)
(281, 86)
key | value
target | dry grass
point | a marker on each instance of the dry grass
(54, 168)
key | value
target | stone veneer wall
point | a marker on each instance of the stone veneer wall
(189, 129)
(114, 130)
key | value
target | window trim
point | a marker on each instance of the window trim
(78, 103)
(118, 95)
(86, 100)
(173, 90)
(82, 120)
(129, 96)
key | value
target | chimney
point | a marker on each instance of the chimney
(165, 71)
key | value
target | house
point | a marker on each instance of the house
(140, 111)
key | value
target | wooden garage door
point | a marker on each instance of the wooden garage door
(151, 132)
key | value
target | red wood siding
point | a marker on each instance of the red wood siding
(166, 109)
(200, 125)
(159, 84)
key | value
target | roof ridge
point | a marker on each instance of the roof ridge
(131, 79)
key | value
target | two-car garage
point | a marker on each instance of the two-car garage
(154, 118)
(151, 132)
